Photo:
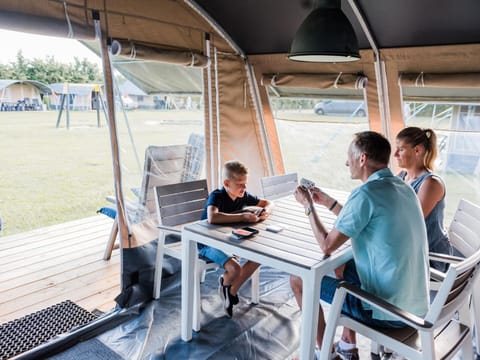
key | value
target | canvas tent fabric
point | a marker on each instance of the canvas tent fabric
(243, 41)
(42, 88)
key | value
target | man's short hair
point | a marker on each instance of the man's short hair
(234, 168)
(374, 145)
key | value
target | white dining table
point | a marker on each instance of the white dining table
(293, 250)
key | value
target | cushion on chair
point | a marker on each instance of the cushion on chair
(110, 212)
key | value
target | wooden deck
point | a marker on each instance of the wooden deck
(46, 266)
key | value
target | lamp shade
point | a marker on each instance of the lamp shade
(325, 35)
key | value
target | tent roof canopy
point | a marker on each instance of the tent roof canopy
(177, 25)
(43, 88)
(393, 23)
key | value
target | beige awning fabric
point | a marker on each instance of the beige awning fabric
(459, 81)
(316, 81)
(134, 50)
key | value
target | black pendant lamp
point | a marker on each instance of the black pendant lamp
(325, 35)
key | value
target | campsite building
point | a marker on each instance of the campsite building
(75, 96)
(20, 95)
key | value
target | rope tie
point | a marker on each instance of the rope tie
(133, 50)
(274, 78)
(419, 78)
(335, 84)
(70, 28)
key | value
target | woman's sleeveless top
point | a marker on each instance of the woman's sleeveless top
(437, 235)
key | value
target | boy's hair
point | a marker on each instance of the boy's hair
(374, 145)
(233, 168)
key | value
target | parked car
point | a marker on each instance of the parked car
(340, 107)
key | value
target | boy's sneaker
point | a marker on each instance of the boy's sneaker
(316, 354)
(346, 354)
(228, 299)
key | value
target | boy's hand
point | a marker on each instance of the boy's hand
(263, 215)
(249, 217)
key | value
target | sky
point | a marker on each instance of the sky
(38, 46)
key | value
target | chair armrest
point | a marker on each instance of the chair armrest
(111, 199)
(445, 258)
(130, 205)
(437, 275)
(169, 229)
(402, 315)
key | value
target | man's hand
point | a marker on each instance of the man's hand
(303, 196)
(320, 197)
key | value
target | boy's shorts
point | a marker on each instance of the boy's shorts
(217, 256)
(352, 306)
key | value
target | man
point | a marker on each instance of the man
(389, 242)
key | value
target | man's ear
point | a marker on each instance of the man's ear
(363, 159)
(226, 182)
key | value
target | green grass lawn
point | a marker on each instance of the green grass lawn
(51, 175)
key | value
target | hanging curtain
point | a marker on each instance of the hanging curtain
(138, 51)
(440, 87)
(465, 80)
(316, 81)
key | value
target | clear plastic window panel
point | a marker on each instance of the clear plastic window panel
(314, 135)
(457, 126)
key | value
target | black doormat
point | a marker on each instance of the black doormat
(32, 330)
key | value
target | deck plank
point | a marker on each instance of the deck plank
(45, 266)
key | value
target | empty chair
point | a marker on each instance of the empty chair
(179, 204)
(163, 165)
(274, 187)
(464, 234)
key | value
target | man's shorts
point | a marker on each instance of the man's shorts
(215, 255)
(352, 306)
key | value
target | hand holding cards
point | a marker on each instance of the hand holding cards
(307, 184)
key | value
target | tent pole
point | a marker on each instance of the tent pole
(380, 72)
(62, 102)
(117, 175)
(217, 117)
(213, 177)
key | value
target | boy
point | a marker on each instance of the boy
(224, 205)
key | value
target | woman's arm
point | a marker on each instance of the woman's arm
(430, 193)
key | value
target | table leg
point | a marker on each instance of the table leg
(189, 252)
(310, 303)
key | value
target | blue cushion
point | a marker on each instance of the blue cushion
(110, 212)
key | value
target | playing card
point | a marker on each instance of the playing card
(307, 184)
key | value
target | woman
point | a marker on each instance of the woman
(416, 152)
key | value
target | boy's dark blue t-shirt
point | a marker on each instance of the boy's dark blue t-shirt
(224, 203)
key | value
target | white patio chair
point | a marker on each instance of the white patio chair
(464, 234)
(437, 335)
(177, 205)
(274, 187)
(163, 165)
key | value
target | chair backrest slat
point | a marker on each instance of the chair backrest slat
(279, 185)
(163, 165)
(455, 288)
(464, 230)
(181, 203)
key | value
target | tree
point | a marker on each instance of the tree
(50, 71)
